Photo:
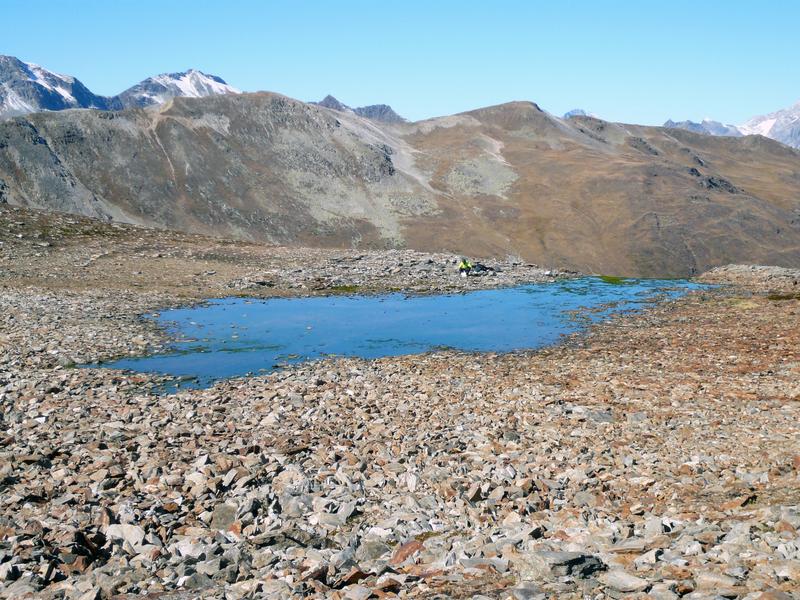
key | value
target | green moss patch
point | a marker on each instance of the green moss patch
(613, 280)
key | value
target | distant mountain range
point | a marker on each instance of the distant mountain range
(26, 88)
(159, 89)
(706, 127)
(782, 126)
(578, 112)
(376, 112)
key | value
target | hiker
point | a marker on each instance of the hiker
(464, 267)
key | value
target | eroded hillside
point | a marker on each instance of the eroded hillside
(504, 180)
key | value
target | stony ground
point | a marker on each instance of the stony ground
(66, 252)
(657, 457)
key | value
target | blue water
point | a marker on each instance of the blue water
(234, 337)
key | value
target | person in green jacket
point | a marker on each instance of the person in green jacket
(464, 267)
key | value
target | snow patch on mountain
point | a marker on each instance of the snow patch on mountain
(12, 102)
(195, 84)
(782, 125)
(706, 127)
(52, 81)
(164, 87)
(758, 126)
(28, 87)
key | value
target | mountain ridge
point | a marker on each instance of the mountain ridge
(375, 112)
(161, 88)
(706, 126)
(509, 179)
(27, 87)
(782, 125)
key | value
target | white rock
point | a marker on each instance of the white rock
(132, 534)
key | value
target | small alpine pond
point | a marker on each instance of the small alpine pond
(239, 336)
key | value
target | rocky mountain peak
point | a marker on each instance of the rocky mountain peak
(332, 103)
(380, 112)
(577, 112)
(164, 87)
(782, 125)
(27, 87)
(705, 127)
(375, 112)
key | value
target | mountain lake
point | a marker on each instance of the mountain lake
(235, 337)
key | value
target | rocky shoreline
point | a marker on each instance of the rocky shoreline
(64, 252)
(656, 457)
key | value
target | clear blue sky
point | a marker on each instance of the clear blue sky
(634, 61)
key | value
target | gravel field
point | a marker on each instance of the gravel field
(657, 456)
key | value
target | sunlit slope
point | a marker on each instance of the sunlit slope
(508, 179)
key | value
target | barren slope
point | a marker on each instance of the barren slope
(509, 179)
(602, 196)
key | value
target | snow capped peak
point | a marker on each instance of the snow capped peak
(578, 112)
(27, 87)
(707, 127)
(782, 125)
(30, 73)
(195, 84)
(758, 126)
(161, 88)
